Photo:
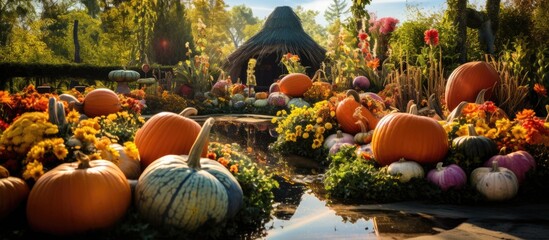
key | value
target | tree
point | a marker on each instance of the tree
(456, 10)
(241, 17)
(311, 27)
(11, 11)
(171, 31)
(359, 15)
(92, 6)
(335, 11)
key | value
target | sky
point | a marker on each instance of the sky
(382, 8)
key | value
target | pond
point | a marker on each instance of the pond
(300, 209)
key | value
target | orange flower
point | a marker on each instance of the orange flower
(223, 161)
(526, 114)
(234, 168)
(373, 64)
(540, 90)
(211, 155)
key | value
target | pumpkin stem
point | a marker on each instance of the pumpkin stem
(188, 112)
(409, 105)
(83, 160)
(361, 119)
(339, 134)
(435, 105)
(503, 150)
(495, 167)
(456, 113)
(196, 150)
(353, 93)
(471, 130)
(4, 173)
(402, 160)
(439, 166)
(480, 96)
(413, 110)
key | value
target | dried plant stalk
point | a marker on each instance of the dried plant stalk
(512, 89)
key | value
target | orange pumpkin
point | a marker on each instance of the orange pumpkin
(261, 95)
(467, 80)
(166, 133)
(78, 197)
(403, 135)
(12, 192)
(346, 117)
(295, 84)
(101, 101)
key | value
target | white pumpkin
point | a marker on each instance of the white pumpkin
(495, 183)
(406, 169)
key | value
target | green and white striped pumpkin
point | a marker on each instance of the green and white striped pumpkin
(186, 191)
(124, 75)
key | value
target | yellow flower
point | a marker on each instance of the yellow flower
(492, 133)
(503, 125)
(463, 131)
(305, 135)
(316, 143)
(60, 151)
(33, 170)
(309, 128)
(519, 132)
(319, 120)
(73, 116)
(320, 130)
(131, 150)
(328, 125)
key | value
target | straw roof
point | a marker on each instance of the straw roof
(282, 33)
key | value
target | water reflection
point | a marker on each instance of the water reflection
(301, 211)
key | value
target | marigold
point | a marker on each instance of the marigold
(223, 161)
(540, 90)
(234, 169)
(33, 170)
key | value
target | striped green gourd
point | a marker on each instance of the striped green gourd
(186, 191)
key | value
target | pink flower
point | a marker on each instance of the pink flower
(387, 25)
(362, 36)
(431, 37)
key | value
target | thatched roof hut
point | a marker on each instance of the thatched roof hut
(282, 33)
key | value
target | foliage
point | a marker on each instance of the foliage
(353, 177)
(121, 126)
(196, 71)
(209, 20)
(303, 130)
(292, 63)
(169, 102)
(311, 27)
(241, 17)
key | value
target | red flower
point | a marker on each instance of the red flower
(362, 36)
(540, 90)
(431, 37)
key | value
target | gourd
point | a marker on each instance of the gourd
(404, 135)
(364, 136)
(337, 146)
(278, 99)
(78, 197)
(166, 133)
(186, 191)
(298, 103)
(260, 103)
(13, 191)
(295, 84)
(451, 176)
(339, 136)
(129, 166)
(495, 183)
(476, 149)
(101, 101)
(519, 162)
(466, 81)
(261, 95)
(345, 114)
(123, 75)
(361, 83)
(406, 169)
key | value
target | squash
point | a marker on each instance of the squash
(278, 99)
(345, 114)
(466, 81)
(475, 149)
(186, 191)
(129, 166)
(101, 101)
(495, 183)
(298, 103)
(361, 83)
(406, 169)
(451, 176)
(13, 191)
(364, 136)
(339, 136)
(337, 146)
(261, 95)
(519, 162)
(123, 75)
(403, 135)
(295, 84)
(261, 103)
(78, 197)
(166, 133)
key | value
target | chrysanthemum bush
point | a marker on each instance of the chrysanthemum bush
(303, 130)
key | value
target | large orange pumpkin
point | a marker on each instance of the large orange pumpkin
(345, 114)
(295, 84)
(467, 80)
(78, 197)
(101, 101)
(166, 133)
(12, 192)
(403, 135)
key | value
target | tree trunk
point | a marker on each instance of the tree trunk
(76, 43)
(460, 22)
(492, 9)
